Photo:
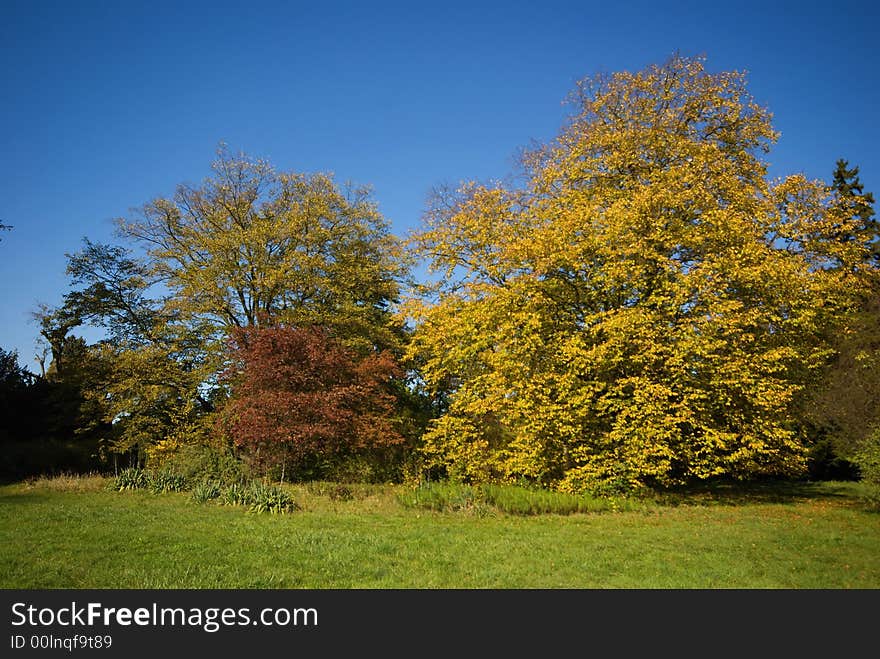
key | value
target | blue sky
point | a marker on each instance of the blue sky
(107, 105)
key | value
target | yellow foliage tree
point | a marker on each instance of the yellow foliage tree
(254, 246)
(644, 310)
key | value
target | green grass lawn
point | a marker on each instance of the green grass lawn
(74, 533)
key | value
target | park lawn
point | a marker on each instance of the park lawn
(77, 534)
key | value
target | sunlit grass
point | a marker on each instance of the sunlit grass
(72, 534)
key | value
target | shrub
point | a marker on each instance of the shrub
(868, 458)
(132, 478)
(166, 481)
(258, 497)
(825, 463)
(205, 491)
(236, 494)
(270, 499)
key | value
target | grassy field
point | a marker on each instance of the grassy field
(74, 533)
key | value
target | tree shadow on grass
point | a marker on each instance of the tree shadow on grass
(769, 491)
(24, 498)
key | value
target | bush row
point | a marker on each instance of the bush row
(256, 495)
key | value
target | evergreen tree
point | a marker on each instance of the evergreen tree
(859, 205)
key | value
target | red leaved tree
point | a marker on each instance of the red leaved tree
(298, 394)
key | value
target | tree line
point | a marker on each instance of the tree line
(646, 308)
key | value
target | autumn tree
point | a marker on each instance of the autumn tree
(249, 247)
(647, 308)
(302, 397)
(252, 245)
(151, 394)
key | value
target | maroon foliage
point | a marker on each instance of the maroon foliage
(297, 392)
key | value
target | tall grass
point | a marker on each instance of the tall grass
(444, 497)
(68, 482)
(510, 499)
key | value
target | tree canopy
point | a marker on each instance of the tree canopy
(301, 395)
(252, 246)
(647, 308)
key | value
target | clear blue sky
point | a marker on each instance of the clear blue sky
(104, 106)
